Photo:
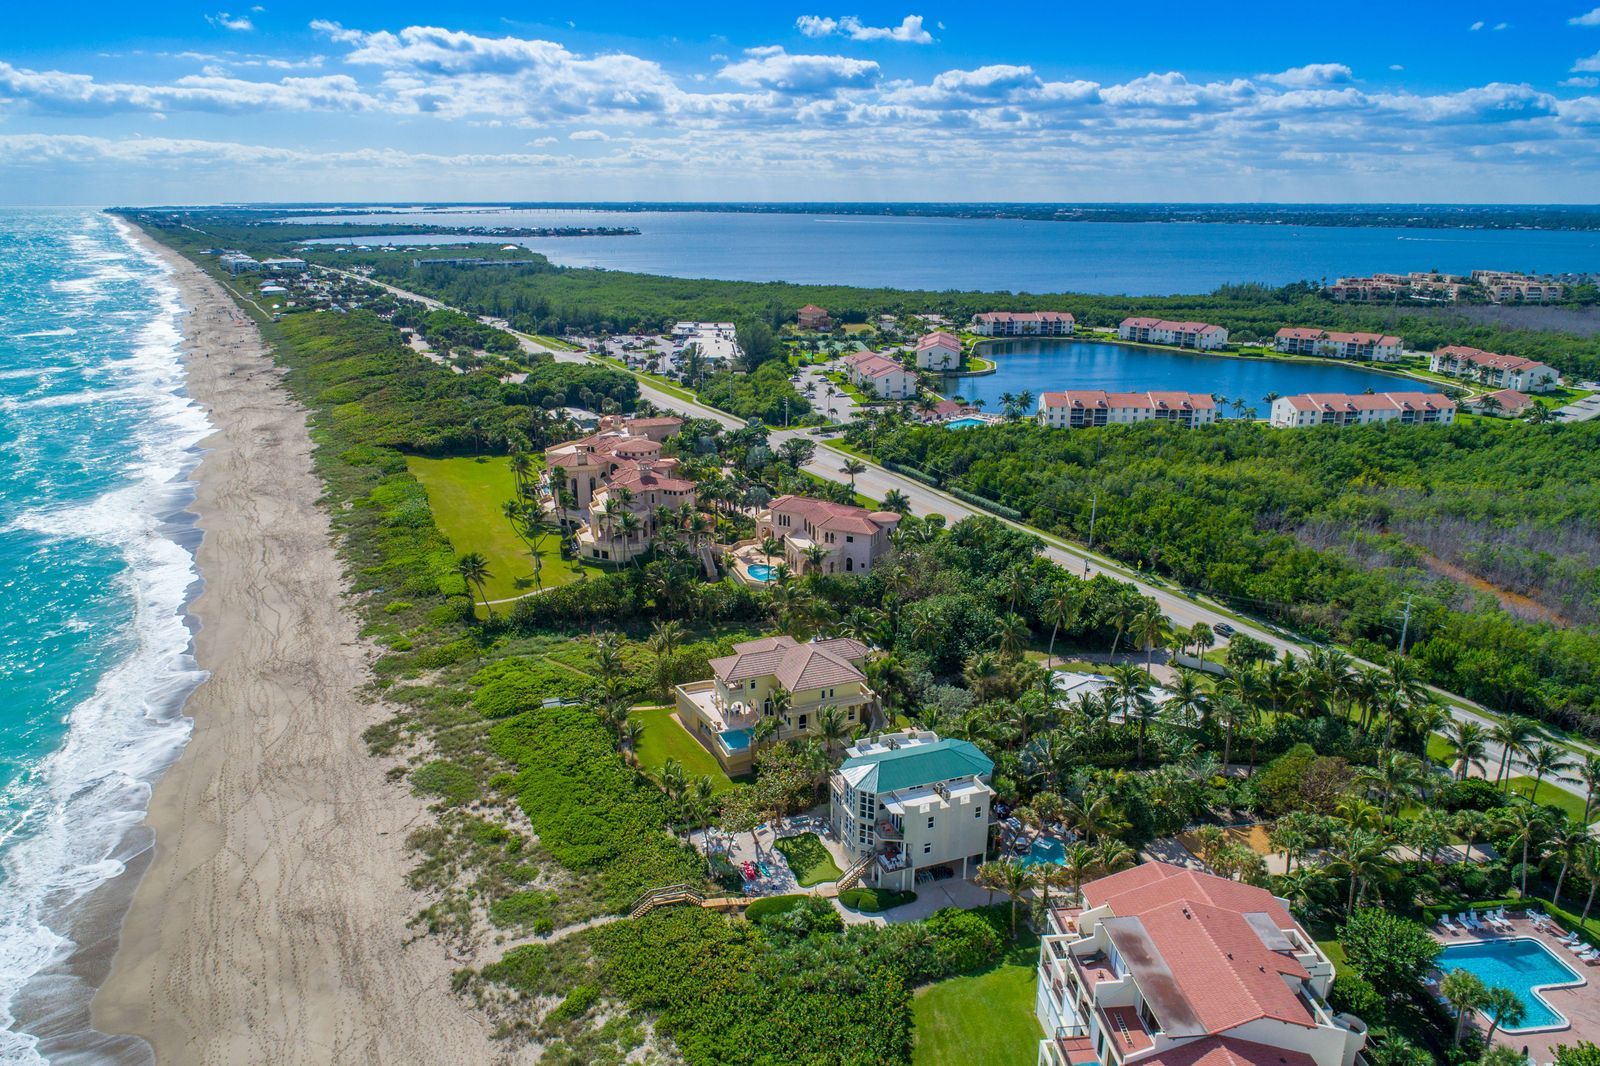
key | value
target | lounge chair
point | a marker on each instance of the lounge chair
(1577, 948)
(1466, 919)
(1447, 925)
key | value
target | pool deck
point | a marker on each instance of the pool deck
(1579, 1004)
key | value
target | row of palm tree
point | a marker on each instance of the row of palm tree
(1081, 862)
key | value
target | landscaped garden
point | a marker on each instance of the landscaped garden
(809, 859)
(985, 1016)
(663, 739)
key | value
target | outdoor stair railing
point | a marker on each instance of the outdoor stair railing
(852, 876)
(661, 897)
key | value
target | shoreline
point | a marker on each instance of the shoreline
(266, 905)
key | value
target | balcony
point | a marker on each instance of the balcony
(1125, 1030)
(1092, 969)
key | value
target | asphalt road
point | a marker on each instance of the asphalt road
(876, 482)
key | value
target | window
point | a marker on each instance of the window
(979, 812)
(927, 849)
(930, 821)
(803, 721)
(849, 539)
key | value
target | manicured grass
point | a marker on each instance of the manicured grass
(663, 738)
(874, 900)
(991, 1010)
(466, 495)
(1549, 795)
(1439, 750)
(809, 859)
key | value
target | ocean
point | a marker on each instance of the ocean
(96, 566)
(1012, 255)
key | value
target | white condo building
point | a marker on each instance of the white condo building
(1024, 324)
(1299, 340)
(1199, 335)
(1347, 409)
(1492, 368)
(939, 351)
(1084, 408)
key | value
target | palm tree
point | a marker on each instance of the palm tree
(1150, 626)
(1468, 743)
(474, 570)
(896, 501)
(664, 639)
(991, 877)
(1547, 759)
(1521, 824)
(1396, 776)
(779, 699)
(1502, 1007)
(1567, 837)
(1013, 636)
(771, 546)
(1360, 853)
(1514, 735)
(1470, 825)
(1061, 610)
(1463, 990)
(1048, 875)
(1589, 869)
(852, 467)
(1095, 817)
(1189, 700)
(1589, 774)
(833, 728)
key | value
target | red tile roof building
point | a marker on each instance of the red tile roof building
(880, 375)
(818, 676)
(1169, 966)
(813, 317)
(1508, 403)
(939, 351)
(1085, 408)
(615, 471)
(1299, 340)
(852, 538)
(1023, 324)
(1492, 368)
(1347, 409)
(1200, 335)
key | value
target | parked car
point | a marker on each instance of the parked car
(1224, 628)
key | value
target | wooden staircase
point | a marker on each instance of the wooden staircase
(852, 877)
(664, 897)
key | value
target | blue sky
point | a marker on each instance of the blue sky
(957, 101)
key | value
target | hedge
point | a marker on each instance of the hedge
(770, 905)
(873, 900)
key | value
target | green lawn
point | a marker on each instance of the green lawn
(663, 738)
(991, 1010)
(465, 495)
(1550, 795)
(809, 859)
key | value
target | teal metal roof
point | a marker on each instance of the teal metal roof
(918, 764)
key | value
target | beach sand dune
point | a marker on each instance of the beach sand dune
(270, 924)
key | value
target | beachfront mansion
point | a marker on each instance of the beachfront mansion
(1164, 965)
(593, 481)
(909, 802)
(750, 685)
(851, 539)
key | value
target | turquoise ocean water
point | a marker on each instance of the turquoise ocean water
(97, 441)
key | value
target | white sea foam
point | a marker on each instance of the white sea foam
(83, 799)
(64, 331)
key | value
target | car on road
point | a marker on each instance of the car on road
(1224, 628)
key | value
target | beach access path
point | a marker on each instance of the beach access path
(270, 924)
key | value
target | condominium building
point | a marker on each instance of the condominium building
(880, 375)
(1492, 368)
(238, 263)
(910, 802)
(1167, 966)
(1084, 408)
(765, 677)
(1201, 335)
(1418, 285)
(1347, 409)
(1505, 286)
(844, 538)
(939, 351)
(1024, 324)
(1379, 347)
(813, 317)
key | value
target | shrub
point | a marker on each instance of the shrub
(770, 905)
(1354, 994)
(1474, 794)
(966, 940)
(873, 900)
(576, 1005)
(453, 784)
(523, 908)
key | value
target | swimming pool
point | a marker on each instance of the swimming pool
(965, 423)
(735, 740)
(1521, 964)
(762, 572)
(1045, 850)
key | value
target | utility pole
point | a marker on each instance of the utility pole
(1094, 510)
(1405, 624)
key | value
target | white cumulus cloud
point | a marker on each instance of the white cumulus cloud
(773, 68)
(1592, 18)
(1312, 74)
(909, 31)
(237, 23)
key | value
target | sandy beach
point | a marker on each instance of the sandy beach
(270, 919)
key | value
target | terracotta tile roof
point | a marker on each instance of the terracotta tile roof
(939, 339)
(796, 666)
(632, 477)
(825, 514)
(874, 365)
(662, 420)
(1174, 327)
(1377, 401)
(1510, 399)
(1228, 1051)
(1493, 360)
(1025, 316)
(1155, 401)
(1305, 333)
(812, 309)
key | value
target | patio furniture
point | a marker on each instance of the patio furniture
(1446, 925)
(1466, 919)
